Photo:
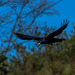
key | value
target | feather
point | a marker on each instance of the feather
(57, 32)
(27, 37)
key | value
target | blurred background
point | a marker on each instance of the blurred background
(39, 18)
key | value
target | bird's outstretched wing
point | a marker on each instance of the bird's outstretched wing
(27, 37)
(57, 32)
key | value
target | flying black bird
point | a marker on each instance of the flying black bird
(46, 40)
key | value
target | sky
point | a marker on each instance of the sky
(66, 10)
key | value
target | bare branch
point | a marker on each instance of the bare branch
(20, 16)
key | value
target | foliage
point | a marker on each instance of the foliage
(21, 16)
(58, 59)
(3, 64)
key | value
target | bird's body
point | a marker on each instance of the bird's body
(50, 41)
(45, 40)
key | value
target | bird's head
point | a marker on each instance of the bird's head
(38, 44)
(42, 41)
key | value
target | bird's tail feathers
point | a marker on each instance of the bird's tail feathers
(60, 40)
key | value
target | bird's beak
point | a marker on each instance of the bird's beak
(38, 44)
